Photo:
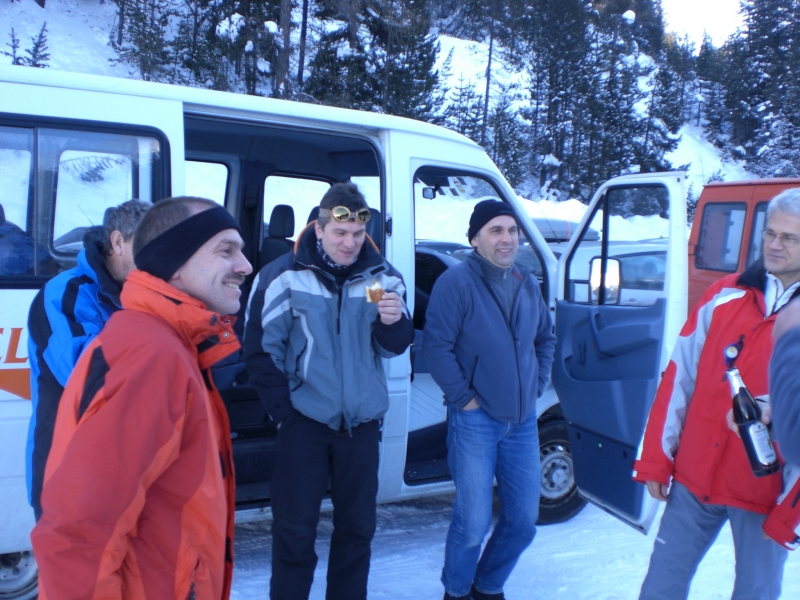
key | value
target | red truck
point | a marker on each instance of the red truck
(726, 233)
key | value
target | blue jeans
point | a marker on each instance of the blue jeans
(480, 448)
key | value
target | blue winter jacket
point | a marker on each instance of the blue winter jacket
(784, 386)
(472, 351)
(66, 314)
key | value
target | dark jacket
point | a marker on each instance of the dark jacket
(784, 379)
(315, 345)
(66, 315)
(472, 350)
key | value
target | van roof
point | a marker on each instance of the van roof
(772, 181)
(202, 101)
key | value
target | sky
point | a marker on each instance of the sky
(719, 18)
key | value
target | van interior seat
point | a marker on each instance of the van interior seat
(2, 215)
(281, 228)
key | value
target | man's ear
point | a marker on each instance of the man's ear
(318, 231)
(116, 240)
(474, 242)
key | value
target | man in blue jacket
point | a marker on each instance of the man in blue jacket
(784, 382)
(489, 344)
(67, 314)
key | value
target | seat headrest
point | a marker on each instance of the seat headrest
(281, 222)
(2, 215)
(312, 216)
(375, 226)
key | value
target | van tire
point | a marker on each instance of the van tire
(559, 500)
(19, 576)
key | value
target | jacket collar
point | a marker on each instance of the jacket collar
(210, 335)
(306, 245)
(755, 276)
(474, 261)
(92, 261)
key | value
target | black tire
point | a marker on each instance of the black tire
(19, 576)
(559, 500)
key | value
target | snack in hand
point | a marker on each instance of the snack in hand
(375, 293)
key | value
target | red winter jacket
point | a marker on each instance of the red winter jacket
(687, 437)
(138, 497)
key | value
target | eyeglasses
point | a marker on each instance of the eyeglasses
(787, 241)
(343, 214)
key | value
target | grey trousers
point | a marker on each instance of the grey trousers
(688, 528)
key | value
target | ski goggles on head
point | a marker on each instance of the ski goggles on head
(343, 214)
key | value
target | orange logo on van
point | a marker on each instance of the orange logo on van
(15, 380)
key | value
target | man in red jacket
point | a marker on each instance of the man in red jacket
(687, 440)
(138, 495)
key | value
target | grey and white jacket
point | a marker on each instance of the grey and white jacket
(316, 345)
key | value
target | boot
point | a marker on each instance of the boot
(449, 597)
(476, 595)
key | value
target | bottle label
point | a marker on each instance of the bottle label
(762, 444)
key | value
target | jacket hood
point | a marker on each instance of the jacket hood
(755, 276)
(91, 261)
(210, 334)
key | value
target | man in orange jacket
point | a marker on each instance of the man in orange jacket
(688, 443)
(138, 495)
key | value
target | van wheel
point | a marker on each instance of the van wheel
(18, 576)
(559, 500)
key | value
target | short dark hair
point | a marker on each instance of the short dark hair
(123, 218)
(341, 194)
(165, 214)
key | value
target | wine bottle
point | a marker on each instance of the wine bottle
(755, 435)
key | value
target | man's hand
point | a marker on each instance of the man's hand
(471, 405)
(766, 414)
(657, 490)
(390, 308)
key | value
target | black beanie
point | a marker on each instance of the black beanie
(168, 251)
(485, 211)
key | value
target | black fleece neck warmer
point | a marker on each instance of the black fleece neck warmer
(167, 252)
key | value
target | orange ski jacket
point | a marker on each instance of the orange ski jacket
(138, 496)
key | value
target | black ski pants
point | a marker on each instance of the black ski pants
(308, 454)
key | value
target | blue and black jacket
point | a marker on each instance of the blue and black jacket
(473, 351)
(66, 314)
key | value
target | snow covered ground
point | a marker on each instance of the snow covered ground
(591, 557)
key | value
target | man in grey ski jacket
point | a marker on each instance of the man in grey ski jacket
(314, 346)
(488, 343)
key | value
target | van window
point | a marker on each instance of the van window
(93, 172)
(443, 203)
(207, 180)
(301, 194)
(635, 223)
(756, 236)
(17, 248)
(79, 174)
(720, 237)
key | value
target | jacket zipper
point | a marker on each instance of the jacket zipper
(513, 338)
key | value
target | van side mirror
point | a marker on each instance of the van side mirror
(429, 193)
(612, 280)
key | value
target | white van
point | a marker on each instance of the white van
(72, 145)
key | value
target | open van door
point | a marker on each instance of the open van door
(621, 303)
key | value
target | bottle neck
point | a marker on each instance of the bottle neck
(735, 380)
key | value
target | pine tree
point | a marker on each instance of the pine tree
(507, 138)
(37, 54)
(463, 111)
(145, 45)
(16, 59)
